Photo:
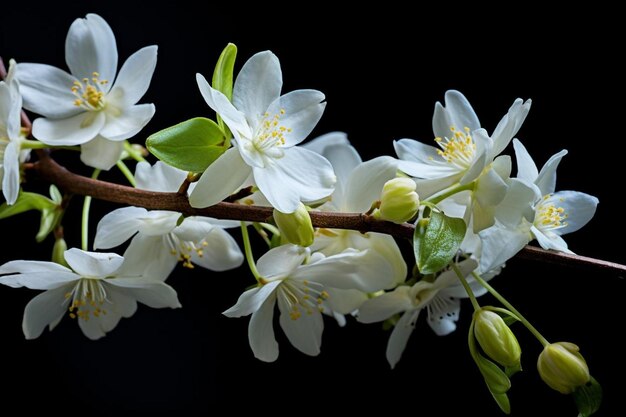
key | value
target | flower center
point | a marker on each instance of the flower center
(88, 296)
(549, 216)
(183, 250)
(270, 133)
(459, 149)
(303, 297)
(88, 93)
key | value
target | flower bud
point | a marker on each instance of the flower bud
(496, 338)
(398, 201)
(562, 367)
(58, 251)
(295, 227)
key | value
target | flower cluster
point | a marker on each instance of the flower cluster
(469, 214)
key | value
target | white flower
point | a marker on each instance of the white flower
(11, 136)
(96, 291)
(440, 299)
(359, 184)
(533, 210)
(87, 107)
(266, 127)
(164, 237)
(467, 156)
(305, 286)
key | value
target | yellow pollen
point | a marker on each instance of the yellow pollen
(88, 93)
(459, 149)
(88, 297)
(271, 133)
(549, 216)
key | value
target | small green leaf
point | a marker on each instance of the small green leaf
(26, 201)
(436, 241)
(588, 398)
(503, 402)
(192, 145)
(223, 74)
(55, 194)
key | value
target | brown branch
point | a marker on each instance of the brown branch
(72, 183)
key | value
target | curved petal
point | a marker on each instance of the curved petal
(366, 183)
(253, 299)
(93, 264)
(386, 305)
(526, 167)
(343, 158)
(149, 257)
(579, 207)
(517, 203)
(413, 151)
(441, 121)
(222, 178)
(300, 175)
(546, 180)
(90, 47)
(217, 101)
(158, 222)
(153, 293)
(345, 301)
(461, 113)
(47, 90)
(101, 153)
(400, 336)
(427, 188)
(258, 84)
(158, 177)
(443, 314)
(387, 247)
(261, 332)
(118, 226)
(220, 253)
(500, 244)
(281, 261)
(550, 240)
(509, 125)
(135, 75)
(75, 130)
(43, 310)
(304, 332)
(11, 168)
(128, 123)
(298, 112)
(320, 143)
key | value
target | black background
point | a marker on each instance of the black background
(382, 69)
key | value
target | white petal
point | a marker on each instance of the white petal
(35, 275)
(490, 188)
(222, 178)
(483, 148)
(118, 226)
(221, 252)
(235, 119)
(413, 151)
(11, 174)
(261, 332)
(135, 75)
(546, 180)
(387, 247)
(517, 203)
(128, 123)
(159, 177)
(443, 314)
(400, 336)
(93, 264)
(526, 168)
(101, 153)
(450, 277)
(344, 159)
(320, 143)
(302, 110)
(304, 333)
(158, 222)
(46, 308)
(90, 47)
(258, 84)
(366, 183)
(386, 305)
(47, 91)
(509, 125)
(300, 175)
(550, 240)
(75, 130)
(149, 257)
(345, 301)
(500, 244)
(441, 121)
(281, 261)
(252, 300)
(428, 188)
(153, 293)
(579, 207)
(461, 112)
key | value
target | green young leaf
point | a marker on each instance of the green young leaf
(588, 398)
(436, 241)
(223, 80)
(192, 145)
(55, 194)
(26, 201)
(503, 402)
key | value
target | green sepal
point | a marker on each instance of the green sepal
(588, 398)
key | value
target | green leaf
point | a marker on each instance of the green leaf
(588, 398)
(436, 241)
(26, 201)
(223, 74)
(192, 145)
(503, 402)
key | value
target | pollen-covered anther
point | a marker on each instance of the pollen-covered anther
(88, 93)
(88, 297)
(459, 149)
(271, 133)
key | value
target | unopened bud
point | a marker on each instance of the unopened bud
(398, 201)
(562, 367)
(496, 338)
(295, 227)
(58, 251)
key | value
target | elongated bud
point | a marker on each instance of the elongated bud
(398, 201)
(562, 367)
(58, 251)
(295, 227)
(496, 338)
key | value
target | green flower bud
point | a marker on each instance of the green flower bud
(58, 251)
(562, 367)
(398, 201)
(496, 338)
(295, 227)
